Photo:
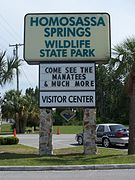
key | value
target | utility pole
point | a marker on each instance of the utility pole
(0, 112)
(16, 58)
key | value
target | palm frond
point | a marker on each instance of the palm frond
(124, 57)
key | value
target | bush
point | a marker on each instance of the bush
(9, 140)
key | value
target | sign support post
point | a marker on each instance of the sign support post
(45, 132)
(89, 140)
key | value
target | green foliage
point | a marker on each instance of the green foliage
(57, 119)
(33, 111)
(7, 66)
(9, 140)
(76, 120)
(7, 128)
(111, 98)
(22, 108)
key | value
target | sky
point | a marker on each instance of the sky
(12, 12)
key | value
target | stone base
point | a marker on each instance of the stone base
(89, 140)
(45, 132)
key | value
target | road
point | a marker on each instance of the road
(59, 141)
(66, 175)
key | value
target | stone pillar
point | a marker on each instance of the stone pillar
(45, 132)
(89, 139)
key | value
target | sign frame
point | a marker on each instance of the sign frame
(37, 60)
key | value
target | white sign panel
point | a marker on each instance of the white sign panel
(66, 37)
(67, 76)
(67, 99)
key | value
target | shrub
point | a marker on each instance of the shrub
(9, 140)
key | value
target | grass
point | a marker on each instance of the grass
(62, 129)
(14, 155)
(20, 155)
(68, 129)
(7, 128)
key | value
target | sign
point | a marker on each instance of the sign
(67, 114)
(67, 76)
(66, 37)
(67, 99)
(67, 84)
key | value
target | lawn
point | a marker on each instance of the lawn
(67, 129)
(20, 155)
(7, 129)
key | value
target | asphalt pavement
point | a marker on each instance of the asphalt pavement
(58, 141)
(66, 175)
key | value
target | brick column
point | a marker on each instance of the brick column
(45, 132)
(89, 139)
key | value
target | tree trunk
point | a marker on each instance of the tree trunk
(131, 147)
(22, 125)
(17, 123)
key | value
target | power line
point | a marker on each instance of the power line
(10, 30)
(10, 27)
(9, 33)
(26, 77)
(16, 57)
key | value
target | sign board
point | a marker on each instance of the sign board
(67, 84)
(67, 76)
(66, 37)
(67, 99)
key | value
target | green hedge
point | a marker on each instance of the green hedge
(9, 140)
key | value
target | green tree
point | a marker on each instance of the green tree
(124, 64)
(15, 107)
(33, 108)
(111, 106)
(7, 66)
(22, 108)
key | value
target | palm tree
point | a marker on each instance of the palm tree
(7, 67)
(14, 108)
(124, 64)
(2, 65)
(22, 108)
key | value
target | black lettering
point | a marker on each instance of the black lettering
(44, 98)
(91, 99)
(81, 99)
(60, 83)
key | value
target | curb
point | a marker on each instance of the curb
(67, 168)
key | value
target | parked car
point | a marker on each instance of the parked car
(108, 134)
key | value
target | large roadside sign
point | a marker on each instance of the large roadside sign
(66, 37)
(67, 84)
